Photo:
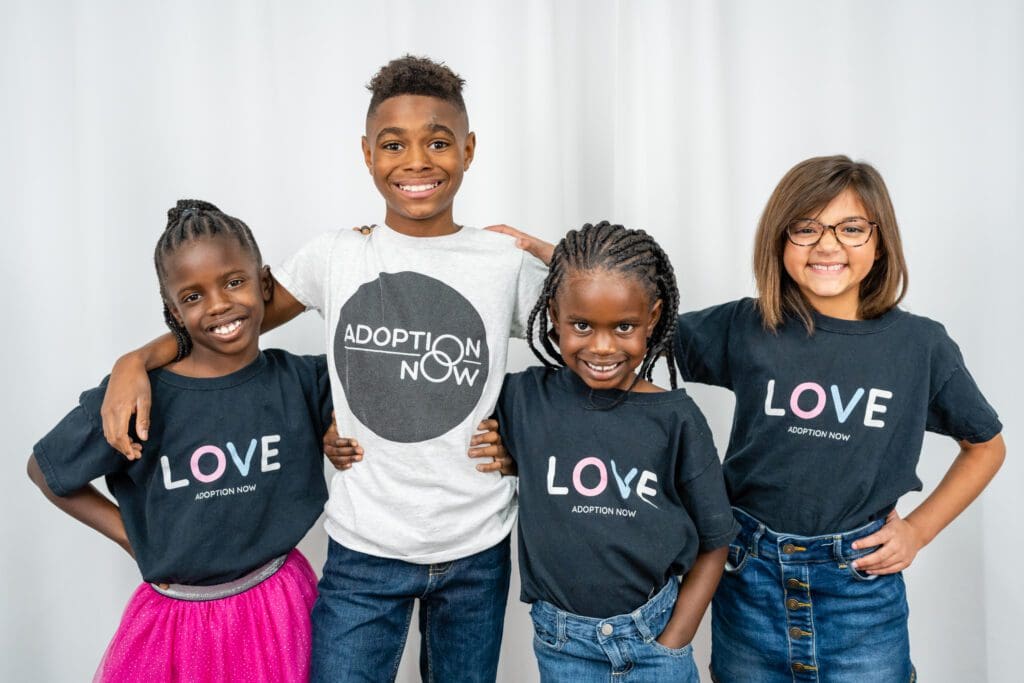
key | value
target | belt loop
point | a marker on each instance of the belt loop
(755, 539)
(837, 549)
(640, 619)
(560, 625)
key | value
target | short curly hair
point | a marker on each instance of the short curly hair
(411, 75)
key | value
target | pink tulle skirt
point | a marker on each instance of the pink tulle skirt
(262, 634)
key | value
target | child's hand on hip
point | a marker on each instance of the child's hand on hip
(899, 544)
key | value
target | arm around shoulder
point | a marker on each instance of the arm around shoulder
(129, 393)
(281, 307)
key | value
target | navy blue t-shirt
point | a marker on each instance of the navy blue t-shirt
(828, 428)
(231, 476)
(612, 503)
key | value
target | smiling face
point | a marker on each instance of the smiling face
(829, 274)
(417, 148)
(603, 320)
(215, 288)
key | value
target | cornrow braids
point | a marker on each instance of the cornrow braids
(188, 220)
(410, 75)
(606, 246)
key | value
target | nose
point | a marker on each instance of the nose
(217, 302)
(602, 343)
(829, 241)
(417, 159)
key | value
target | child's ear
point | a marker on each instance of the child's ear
(553, 315)
(173, 310)
(655, 317)
(266, 284)
(367, 155)
(469, 150)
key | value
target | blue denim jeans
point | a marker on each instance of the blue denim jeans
(621, 648)
(792, 608)
(362, 614)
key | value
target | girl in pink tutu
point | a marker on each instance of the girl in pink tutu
(231, 479)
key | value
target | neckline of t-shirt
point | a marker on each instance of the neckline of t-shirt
(389, 233)
(233, 379)
(871, 326)
(574, 384)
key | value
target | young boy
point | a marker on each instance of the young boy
(418, 313)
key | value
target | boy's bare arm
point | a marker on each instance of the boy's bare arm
(87, 505)
(695, 592)
(128, 391)
(528, 243)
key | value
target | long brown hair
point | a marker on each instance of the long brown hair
(806, 189)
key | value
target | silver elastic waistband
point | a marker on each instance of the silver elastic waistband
(222, 590)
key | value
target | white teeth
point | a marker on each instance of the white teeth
(227, 329)
(419, 188)
(833, 267)
(602, 368)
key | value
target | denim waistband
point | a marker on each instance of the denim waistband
(219, 591)
(636, 623)
(761, 541)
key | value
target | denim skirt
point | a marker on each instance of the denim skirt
(792, 608)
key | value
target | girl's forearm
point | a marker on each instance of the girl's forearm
(966, 478)
(155, 354)
(695, 592)
(87, 505)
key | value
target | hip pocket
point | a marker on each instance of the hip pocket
(670, 651)
(736, 558)
(847, 563)
(544, 635)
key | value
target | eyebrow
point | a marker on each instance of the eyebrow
(226, 275)
(841, 220)
(432, 127)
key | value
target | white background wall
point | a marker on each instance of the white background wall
(678, 117)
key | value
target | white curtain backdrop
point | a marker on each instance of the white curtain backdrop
(677, 117)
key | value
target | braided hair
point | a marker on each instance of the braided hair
(191, 219)
(614, 248)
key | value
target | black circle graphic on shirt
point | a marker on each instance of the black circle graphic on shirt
(412, 356)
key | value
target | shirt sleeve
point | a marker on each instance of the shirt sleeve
(306, 274)
(75, 452)
(702, 487)
(532, 273)
(702, 344)
(323, 389)
(503, 413)
(957, 407)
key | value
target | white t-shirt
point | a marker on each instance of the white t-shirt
(417, 333)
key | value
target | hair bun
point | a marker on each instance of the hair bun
(183, 205)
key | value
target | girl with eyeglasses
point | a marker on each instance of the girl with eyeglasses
(835, 387)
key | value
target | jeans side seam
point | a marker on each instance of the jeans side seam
(398, 657)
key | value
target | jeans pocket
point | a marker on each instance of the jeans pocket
(542, 636)
(854, 572)
(858, 574)
(671, 651)
(736, 558)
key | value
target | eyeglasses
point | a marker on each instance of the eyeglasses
(807, 232)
